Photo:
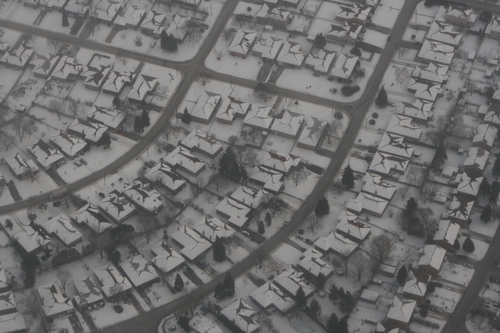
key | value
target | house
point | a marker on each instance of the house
(492, 115)
(117, 207)
(205, 107)
(18, 58)
(404, 126)
(54, 301)
(312, 265)
(87, 296)
(432, 51)
(460, 15)
(232, 108)
(163, 175)
(344, 66)
(476, 161)
(312, 133)
(446, 235)
(71, 146)
(395, 145)
(271, 180)
(4, 46)
(269, 296)
(287, 124)
(142, 88)
(377, 186)
(485, 137)
(68, 68)
(45, 155)
(337, 243)
(77, 7)
(90, 216)
(106, 10)
(90, 131)
(96, 76)
(181, 158)
(241, 315)
(460, 209)
(386, 164)
(165, 258)
(132, 17)
(7, 303)
(357, 13)
(236, 213)
(12, 323)
(189, 3)
(321, 61)
(211, 228)
(368, 203)
(424, 89)
(369, 296)
(420, 111)
(140, 272)
(61, 227)
(401, 312)
(28, 239)
(178, 28)
(291, 280)
(431, 260)
(267, 48)
(199, 141)
(111, 281)
(276, 17)
(291, 55)
(259, 117)
(4, 286)
(346, 32)
(350, 226)
(249, 197)
(201, 324)
(242, 43)
(468, 186)
(141, 194)
(154, 22)
(21, 168)
(444, 33)
(493, 28)
(44, 64)
(116, 81)
(193, 246)
(434, 72)
(111, 118)
(280, 161)
(416, 287)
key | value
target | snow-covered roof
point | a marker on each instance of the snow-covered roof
(3, 279)
(433, 256)
(154, 21)
(401, 309)
(89, 130)
(236, 212)
(18, 57)
(344, 29)
(87, 291)
(437, 52)
(313, 264)
(461, 207)
(200, 141)
(242, 42)
(424, 89)
(92, 217)
(249, 196)
(395, 144)
(78, 7)
(493, 28)
(338, 243)
(272, 180)
(462, 13)
(356, 12)
(444, 33)
(492, 115)
(66, 67)
(434, 72)
(139, 270)
(211, 228)
(27, 237)
(320, 61)
(206, 105)
(7, 302)
(182, 158)
(232, 107)
(12, 322)
(193, 3)
(132, 16)
(280, 161)
(45, 154)
(312, 132)
(477, 157)
(162, 173)
(117, 206)
(420, 109)
(241, 314)
(193, 245)
(166, 258)
(384, 163)
(54, 300)
(271, 295)
(178, 27)
(469, 186)
(117, 80)
(368, 203)
(291, 53)
(70, 145)
(144, 196)
(415, 286)
(447, 231)
(259, 116)
(269, 47)
(106, 10)
(350, 225)
(61, 227)
(109, 117)
(486, 135)
(288, 123)
(344, 65)
(109, 277)
(404, 126)
(276, 14)
(201, 324)
(376, 185)
(4, 45)
(96, 75)
(43, 64)
(20, 165)
(142, 86)
(291, 280)
(369, 295)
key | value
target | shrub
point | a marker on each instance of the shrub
(372, 122)
(338, 115)
(118, 308)
(349, 91)
(375, 115)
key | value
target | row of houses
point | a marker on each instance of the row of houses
(10, 319)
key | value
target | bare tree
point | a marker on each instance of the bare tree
(29, 304)
(403, 191)
(23, 126)
(64, 276)
(409, 252)
(7, 140)
(245, 156)
(219, 181)
(101, 242)
(161, 91)
(73, 105)
(115, 291)
(429, 191)
(57, 106)
(313, 223)
(227, 34)
(150, 225)
(380, 248)
(332, 130)
(203, 79)
(298, 175)
(360, 266)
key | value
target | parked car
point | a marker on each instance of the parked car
(83, 161)
(77, 163)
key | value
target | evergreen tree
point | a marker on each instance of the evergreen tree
(171, 43)
(332, 324)
(343, 326)
(355, 52)
(179, 283)
(116, 101)
(138, 124)
(268, 219)
(468, 245)
(439, 157)
(486, 214)
(186, 117)
(229, 167)
(348, 178)
(219, 292)
(145, 118)
(320, 41)
(484, 188)
(495, 189)
(334, 294)
(410, 208)
(229, 285)
(346, 302)
(402, 275)
(300, 298)
(320, 281)
(423, 311)
(314, 309)
(381, 100)
(219, 250)
(260, 227)
(322, 207)
(105, 140)
(65, 22)
(183, 323)
(456, 245)
(163, 40)
(495, 171)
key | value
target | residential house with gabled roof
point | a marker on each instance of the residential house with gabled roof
(78, 7)
(165, 258)
(90, 216)
(444, 33)
(404, 126)
(90, 131)
(192, 245)
(140, 272)
(357, 13)
(291, 55)
(231, 108)
(111, 280)
(468, 186)
(287, 124)
(269, 295)
(29, 239)
(116, 81)
(71, 146)
(178, 28)
(117, 207)
(21, 167)
(18, 58)
(337, 243)
(54, 301)
(205, 107)
(4, 45)
(492, 30)
(44, 154)
(395, 144)
(241, 315)
(44, 64)
(277, 17)
(313, 133)
(4, 286)
(344, 66)
(201, 324)
(460, 209)
(350, 226)
(211, 228)
(401, 312)
(199, 141)
(267, 48)
(143, 87)
(259, 117)
(96, 76)
(163, 175)
(432, 259)
(376, 185)
(181, 158)
(271, 180)
(460, 15)
(320, 61)
(368, 203)
(106, 10)
(476, 161)
(236, 213)
(416, 287)
(67, 68)
(434, 72)
(492, 115)
(143, 196)
(312, 265)
(109, 117)
(242, 43)
(154, 22)
(280, 161)
(446, 235)
(7, 303)
(420, 111)
(88, 295)
(12, 323)
(485, 137)
(385, 164)
(346, 32)
(61, 227)
(423, 89)
(291, 280)
(132, 17)
(249, 197)
(432, 51)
